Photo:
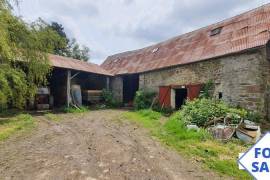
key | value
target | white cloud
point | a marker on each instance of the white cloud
(113, 26)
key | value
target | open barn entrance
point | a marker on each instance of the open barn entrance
(84, 88)
(130, 86)
(174, 96)
(180, 97)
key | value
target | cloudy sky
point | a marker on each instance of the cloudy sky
(112, 26)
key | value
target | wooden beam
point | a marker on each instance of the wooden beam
(75, 75)
(107, 83)
(68, 87)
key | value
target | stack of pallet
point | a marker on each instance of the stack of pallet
(92, 96)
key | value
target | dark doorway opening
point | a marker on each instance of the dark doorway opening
(180, 97)
(130, 86)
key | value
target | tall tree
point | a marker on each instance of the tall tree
(78, 52)
(24, 61)
(62, 51)
(72, 47)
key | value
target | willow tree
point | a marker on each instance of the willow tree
(24, 61)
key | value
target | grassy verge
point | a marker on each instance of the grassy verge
(76, 110)
(198, 146)
(8, 127)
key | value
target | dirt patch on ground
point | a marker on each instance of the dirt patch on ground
(93, 146)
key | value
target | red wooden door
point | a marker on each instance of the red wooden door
(165, 96)
(194, 91)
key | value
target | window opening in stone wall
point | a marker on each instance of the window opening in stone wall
(220, 95)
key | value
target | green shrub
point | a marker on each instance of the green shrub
(253, 116)
(206, 89)
(143, 99)
(14, 90)
(109, 100)
(82, 109)
(199, 111)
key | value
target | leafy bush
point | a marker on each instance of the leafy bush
(253, 116)
(109, 100)
(143, 99)
(24, 63)
(206, 89)
(14, 90)
(200, 111)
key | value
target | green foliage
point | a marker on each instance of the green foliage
(152, 115)
(143, 99)
(78, 52)
(253, 116)
(199, 146)
(200, 111)
(71, 48)
(147, 118)
(109, 100)
(206, 89)
(82, 109)
(166, 111)
(18, 123)
(23, 57)
(13, 88)
(177, 128)
(60, 50)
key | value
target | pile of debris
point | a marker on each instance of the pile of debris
(224, 128)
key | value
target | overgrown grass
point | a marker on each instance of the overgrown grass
(199, 146)
(76, 110)
(8, 127)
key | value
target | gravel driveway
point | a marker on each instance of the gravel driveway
(93, 146)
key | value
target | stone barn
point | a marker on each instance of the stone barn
(234, 54)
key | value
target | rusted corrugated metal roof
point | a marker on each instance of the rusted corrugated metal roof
(245, 31)
(69, 63)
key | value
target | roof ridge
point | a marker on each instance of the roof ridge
(187, 33)
(76, 64)
(197, 45)
(73, 59)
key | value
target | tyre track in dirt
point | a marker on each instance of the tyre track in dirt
(93, 146)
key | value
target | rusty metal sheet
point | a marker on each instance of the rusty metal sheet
(69, 63)
(245, 31)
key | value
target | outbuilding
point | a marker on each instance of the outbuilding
(234, 54)
(70, 76)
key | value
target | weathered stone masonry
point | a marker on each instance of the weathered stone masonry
(116, 85)
(244, 79)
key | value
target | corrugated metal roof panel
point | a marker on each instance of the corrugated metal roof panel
(245, 31)
(69, 63)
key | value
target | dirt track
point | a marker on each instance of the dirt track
(93, 146)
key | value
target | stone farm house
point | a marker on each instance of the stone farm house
(234, 54)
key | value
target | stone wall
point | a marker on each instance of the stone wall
(243, 79)
(116, 85)
(267, 79)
